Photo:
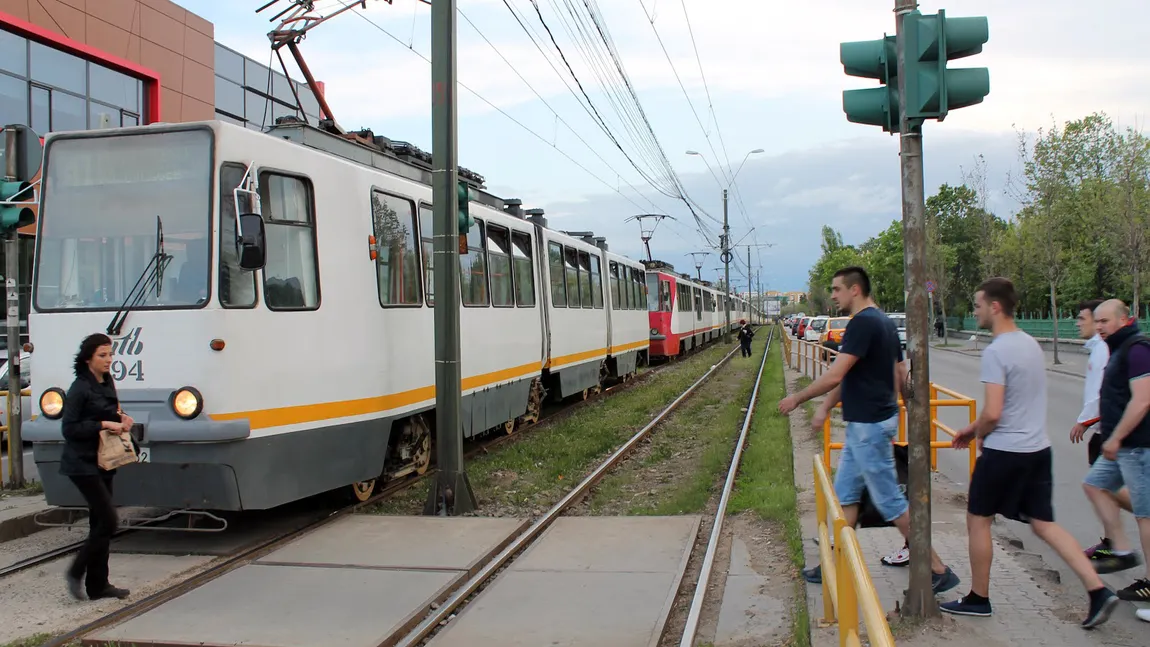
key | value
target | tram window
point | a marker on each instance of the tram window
(664, 296)
(698, 303)
(524, 274)
(291, 275)
(237, 286)
(614, 280)
(555, 269)
(641, 290)
(596, 283)
(571, 265)
(585, 289)
(473, 268)
(427, 245)
(397, 260)
(499, 259)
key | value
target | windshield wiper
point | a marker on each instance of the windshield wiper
(153, 273)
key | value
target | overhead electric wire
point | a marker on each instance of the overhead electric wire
(501, 111)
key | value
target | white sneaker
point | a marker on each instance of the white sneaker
(1143, 614)
(900, 557)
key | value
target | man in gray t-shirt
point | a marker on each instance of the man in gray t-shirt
(1013, 476)
(1015, 359)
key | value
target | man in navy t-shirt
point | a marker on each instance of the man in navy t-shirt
(866, 377)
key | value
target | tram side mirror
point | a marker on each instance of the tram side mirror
(250, 242)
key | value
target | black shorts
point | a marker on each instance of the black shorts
(1094, 447)
(1016, 485)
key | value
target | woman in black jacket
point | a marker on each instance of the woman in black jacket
(91, 406)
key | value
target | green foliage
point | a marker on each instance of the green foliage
(1083, 231)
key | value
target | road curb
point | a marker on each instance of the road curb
(24, 524)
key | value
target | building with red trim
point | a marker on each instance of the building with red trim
(86, 64)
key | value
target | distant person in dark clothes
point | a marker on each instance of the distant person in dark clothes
(745, 337)
(938, 326)
(90, 407)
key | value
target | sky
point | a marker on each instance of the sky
(720, 77)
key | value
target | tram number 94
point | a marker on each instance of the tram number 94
(122, 370)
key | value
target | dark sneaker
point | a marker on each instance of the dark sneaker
(75, 587)
(943, 582)
(1101, 606)
(1105, 561)
(110, 592)
(900, 557)
(1139, 591)
(965, 607)
(814, 575)
(1102, 545)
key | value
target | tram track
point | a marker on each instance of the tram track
(490, 442)
(257, 549)
(489, 572)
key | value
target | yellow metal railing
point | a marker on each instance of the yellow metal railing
(848, 591)
(814, 360)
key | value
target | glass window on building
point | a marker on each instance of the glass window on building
(114, 88)
(229, 64)
(13, 99)
(60, 69)
(229, 97)
(13, 53)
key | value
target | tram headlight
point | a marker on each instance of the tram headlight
(52, 403)
(187, 402)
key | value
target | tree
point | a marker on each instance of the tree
(1128, 229)
(940, 258)
(882, 256)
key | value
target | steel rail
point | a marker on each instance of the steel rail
(444, 610)
(692, 625)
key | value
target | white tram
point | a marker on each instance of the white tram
(314, 373)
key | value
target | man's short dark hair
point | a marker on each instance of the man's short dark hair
(853, 276)
(1089, 304)
(1000, 290)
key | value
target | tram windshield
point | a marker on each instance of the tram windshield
(101, 199)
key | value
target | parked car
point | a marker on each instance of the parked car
(815, 329)
(802, 327)
(832, 337)
(899, 319)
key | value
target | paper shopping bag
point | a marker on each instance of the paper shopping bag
(115, 450)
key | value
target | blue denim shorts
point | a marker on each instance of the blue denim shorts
(1132, 469)
(867, 459)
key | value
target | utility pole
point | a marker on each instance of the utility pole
(22, 155)
(726, 258)
(452, 493)
(920, 600)
(916, 85)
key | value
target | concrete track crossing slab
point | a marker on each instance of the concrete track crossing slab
(588, 581)
(352, 583)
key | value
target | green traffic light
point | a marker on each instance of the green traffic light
(17, 212)
(872, 59)
(464, 215)
(931, 89)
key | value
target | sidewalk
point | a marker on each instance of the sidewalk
(1030, 606)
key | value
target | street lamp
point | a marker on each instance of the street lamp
(726, 241)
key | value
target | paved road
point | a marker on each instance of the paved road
(1064, 400)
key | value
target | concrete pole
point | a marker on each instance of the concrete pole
(727, 268)
(452, 492)
(920, 600)
(12, 282)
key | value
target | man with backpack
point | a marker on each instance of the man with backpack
(745, 337)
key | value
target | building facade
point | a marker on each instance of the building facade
(70, 65)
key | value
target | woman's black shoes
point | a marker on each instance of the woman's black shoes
(76, 589)
(110, 592)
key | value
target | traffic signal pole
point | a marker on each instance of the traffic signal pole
(452, 493)
(920, 600)
(11, 276)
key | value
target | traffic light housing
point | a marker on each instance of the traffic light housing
(931, 41)
(872, 59)
(932, 90)
(16, 201)
(464, 215)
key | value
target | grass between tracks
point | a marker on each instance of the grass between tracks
(766, 483)
(685, 460)
(533, 473)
